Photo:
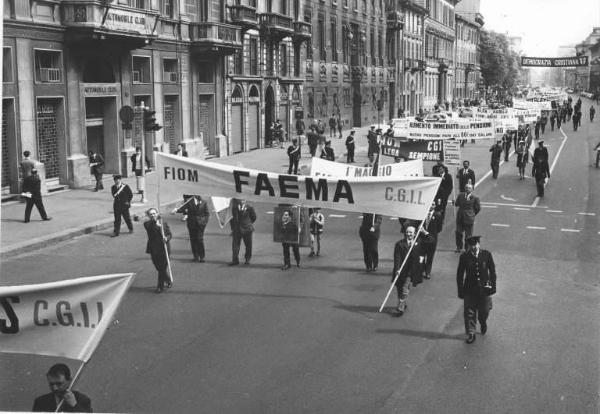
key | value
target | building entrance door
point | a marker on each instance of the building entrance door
(269, 114)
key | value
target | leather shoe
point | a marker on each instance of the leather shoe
(247, 262)
(233, 263)
(201, 260)
(483, 328)
(470, 339)
(158, 290)
(114, 235)
(169, 285)
(47, 219)
(285, 267)
(130, 230)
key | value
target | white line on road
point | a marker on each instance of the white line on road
(500, 225)
(508, 204)
(536, 228)
(337, 215)
(270, 212)
(522, 208)
(554, 211)
(490, 171)
(587, 214)
(489, 206)
(570, 230)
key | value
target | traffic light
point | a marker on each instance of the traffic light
(150, 121)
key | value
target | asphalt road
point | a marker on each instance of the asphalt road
(255, 339)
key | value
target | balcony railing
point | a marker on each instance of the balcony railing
(216, 37)
(302, 31)
(49, 75)
(244, 16)
(277, 25)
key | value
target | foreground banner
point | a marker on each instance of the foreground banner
(561, 62)
(408, 197)
(321, 167)
(63, 319)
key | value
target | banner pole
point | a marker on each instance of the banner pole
(401, 267)
(60, 403)
(169, 271)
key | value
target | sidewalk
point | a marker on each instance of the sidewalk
(80, 211)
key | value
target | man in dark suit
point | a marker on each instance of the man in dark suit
(97, 169)
(137, 166)
(159, 235)
(476, 282)
(32, 190)
(541, 171)
(197, 215)
(294, 155)
(350, 147)
(464, 176)
(369, 232)
(122, 196)
(181, 151)
(443, 192)
(468, 207)
(496, 151)
(27, 164)
(59, 380)
(313, 140)
(242, 227)
(412, 272)
(289, 233)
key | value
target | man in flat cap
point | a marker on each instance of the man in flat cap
(476, 283)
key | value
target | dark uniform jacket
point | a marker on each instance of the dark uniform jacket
(468, 208)
(197, 214)
(540, 169)
(414, 264)
(123, 199)
(474, 273)
(464, 177)
(33, 185)
(242, 220)
(155, 245)
(369, 220)
(540, 153)
(99, 167)
(289, 232)
(350, 143)
(327, 153)
(47, 403)
(294, 152)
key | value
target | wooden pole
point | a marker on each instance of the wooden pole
(61, 402)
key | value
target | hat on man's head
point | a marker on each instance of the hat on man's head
(117, 177)
(541, 141)
(473, 240)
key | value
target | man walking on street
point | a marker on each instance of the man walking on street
(196, 212)
(289, 233)
(97, 169)
(158, 246)
(350, 146)
(443, 192)
(496, 151)
(476, 283)
(122, 196)
(468, 207)
(27, 164)
(466, 175)
(369, 232)
(294, 155)
(592, 113)
(32, 190)
(242, 227)
(332, 126)
(540, 171)
(313, 140)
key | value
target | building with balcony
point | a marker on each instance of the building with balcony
(467, 70)
(440, 33)
(587, 78)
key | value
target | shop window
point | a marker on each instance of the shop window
(170, 73)
(140, 69)
(48, 66)
(7, 71)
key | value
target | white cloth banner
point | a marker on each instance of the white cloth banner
(506, 117)
(408, 197)
(470, 128)
(222, 209)
(321, 167)
(63, 319)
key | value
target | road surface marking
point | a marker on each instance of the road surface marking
(500, 225)
(337, 215)
(506, 198)
(554, 211)
(587, 214)
(489, 206)
(508, 204)
(490, 171)
(570, 230)
(535, 202)
(270, 212)
(536, 228)
(522, 208)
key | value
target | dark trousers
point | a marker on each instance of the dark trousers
(124, 212)
(98, 177)
(350, 155)
(539, 182)
(40, 207)
(293, 165)
(506, 151)
(237, 243)
(495, 168)
(430, 252)
(160, 263)
(543, 129)
(286, 253)
(552, 125)
(597, 158)
(370, 251)
(197, 241)
(476, 307)
(312, 148)
(461, 228)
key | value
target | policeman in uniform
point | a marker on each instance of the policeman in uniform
(476, 282)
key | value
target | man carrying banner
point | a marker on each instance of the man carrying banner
(197, 215)
(59, 380)
(289, 234)
(242, 227)
(496, 151)
(468, 207)
(159, 235)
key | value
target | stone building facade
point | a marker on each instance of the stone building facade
(467, 73)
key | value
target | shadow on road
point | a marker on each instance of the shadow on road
(421, 334)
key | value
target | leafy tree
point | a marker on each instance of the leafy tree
(500, 66)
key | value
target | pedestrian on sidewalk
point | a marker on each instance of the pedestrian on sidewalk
(294, 155)
(332, 126)
(369, 232)
(465, 175)
(242, 227)
(27, 164)
(592, 113)
(137, 166)
(496, 151)
(350, 147)
(327, 152)
(32, 191)
(196, 214)
(476, 283)
(313, 140)
(97, 169)
(340, 125)
(158, 246)
(289, 233)
(468, 207)
(122, 196)
(317, 224)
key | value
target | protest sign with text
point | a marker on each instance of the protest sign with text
(321, 167)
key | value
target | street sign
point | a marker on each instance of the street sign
(126, 114)
(452, 152)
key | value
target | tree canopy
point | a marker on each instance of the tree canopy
(500, 66)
